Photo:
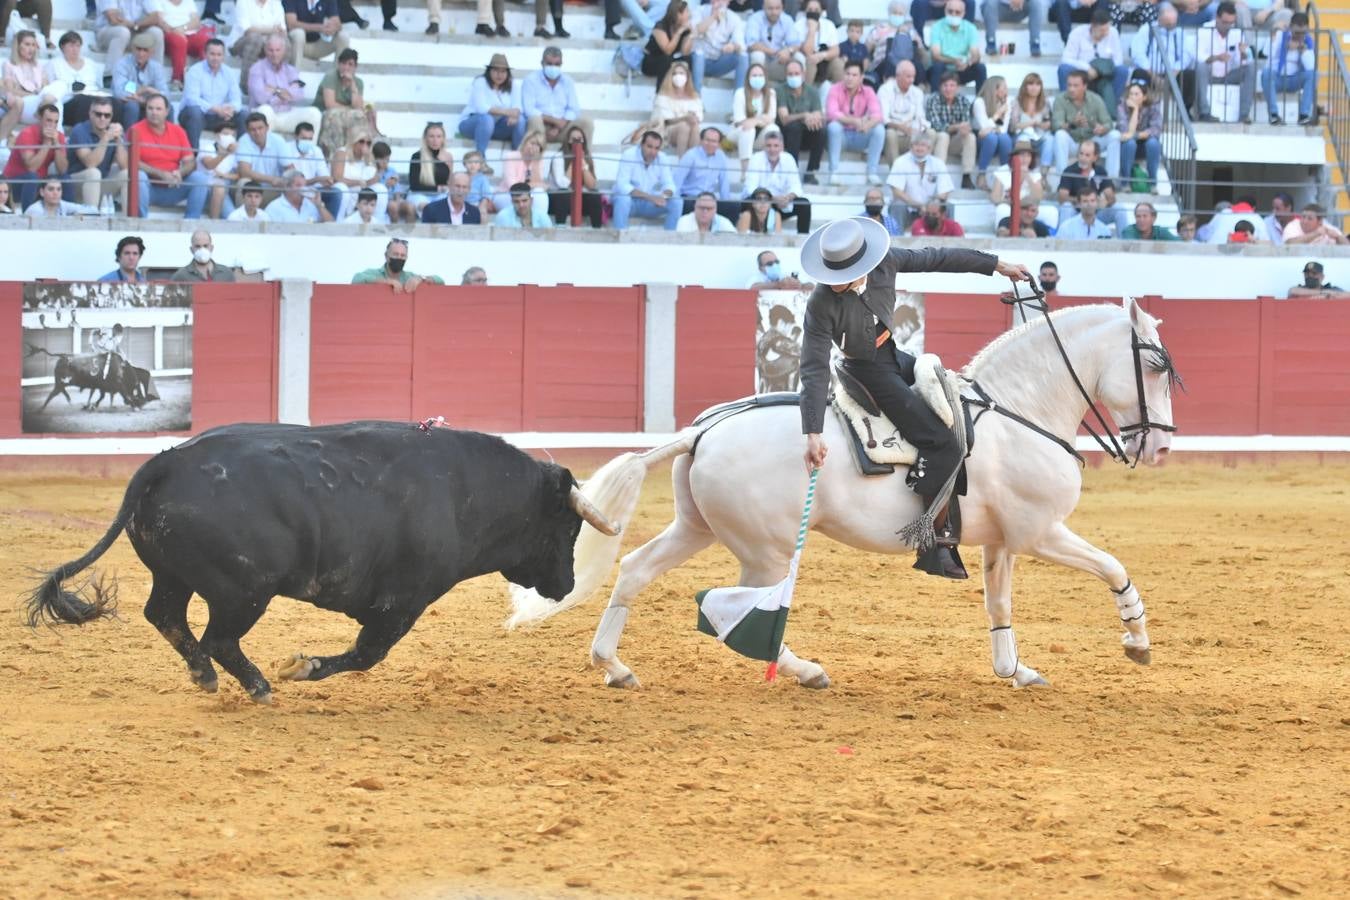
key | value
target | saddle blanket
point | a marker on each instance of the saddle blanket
(880, 438)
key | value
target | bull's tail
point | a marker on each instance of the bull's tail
(94, 598)
(34, 350)
(614, 489)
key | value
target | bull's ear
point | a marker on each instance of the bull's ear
(565, 482)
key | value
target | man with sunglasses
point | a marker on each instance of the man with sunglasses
(98, 157)
(393, 272)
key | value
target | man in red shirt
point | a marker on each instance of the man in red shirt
(934, 222)
(169, 173)
(38, 148)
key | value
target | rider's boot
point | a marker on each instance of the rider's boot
(943, 558)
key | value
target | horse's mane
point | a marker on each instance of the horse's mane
(1015, 333)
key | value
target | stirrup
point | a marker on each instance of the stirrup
(942, 561)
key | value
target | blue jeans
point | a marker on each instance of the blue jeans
(838, 138)
(1303, 82)
(25, 187)
(727, 62)
(194, 120)
(483, 128)
(1129, 152)
(995, 143)
(194, 190)
(996, 11)
(625, 207)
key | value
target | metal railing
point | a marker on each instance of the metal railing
(1179, 146)
(1337, 103)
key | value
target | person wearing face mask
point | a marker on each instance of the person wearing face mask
(801, 116)
(769, 275)
(203, 267)
(305, 156)
(956, 48)
(394, 272)
(934, 222)
(548, 98)
(853, 308)
(820, 44)
(893, 41)
(874, 208)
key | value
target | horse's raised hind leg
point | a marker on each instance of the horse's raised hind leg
(998, 569)
(1060, 545)
(638, 569)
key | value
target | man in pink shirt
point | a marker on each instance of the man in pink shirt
(854, 116)
(1311, 228)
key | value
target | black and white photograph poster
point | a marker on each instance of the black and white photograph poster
(106, 357)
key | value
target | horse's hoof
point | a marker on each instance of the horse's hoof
(628, 682)
(297, 668)
(1141, 655)
(209, 686)
(262, 698)
(1034, 681)
(816, 682)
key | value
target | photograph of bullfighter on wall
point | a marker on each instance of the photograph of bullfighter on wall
(107, 357)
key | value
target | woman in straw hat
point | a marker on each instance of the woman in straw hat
(854, 268)
(494, 111)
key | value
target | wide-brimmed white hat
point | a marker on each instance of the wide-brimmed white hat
(845, 250)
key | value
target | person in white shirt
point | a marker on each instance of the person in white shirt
(304, 155)
(49, 204)
(224, 169)
(365, 210)
(1096, 50)
(1161, 47)
(777, 172)
(252, 210)
(292, 206)
(719, 43)
(1292, 67)
(644, 186)
(915, 178)
(704, 218)
(820, 44)
(902, 112)
(254, 22)
(1223, 56)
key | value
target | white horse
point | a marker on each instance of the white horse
(745, 483)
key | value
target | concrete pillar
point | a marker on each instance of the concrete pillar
(658, 401)
(293, 352)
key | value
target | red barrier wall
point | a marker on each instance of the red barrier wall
(492, 358)
(235, 335)
(713, 362)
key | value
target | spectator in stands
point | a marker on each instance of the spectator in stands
(719, 44)
(430, 167)
(1144, 229)
(523, 212)
(341, 98)
(915, 178)
(38, 150)
(677, 110)
(454, 208)
(98, 159)
(1049, 277)
(1292, 67)
(49, 204)
(222, 166)
(1139, 122)
(772, 39)
(1032, 186)
(480, 187)
(1314, 286)
(254, 21)
(526, 164)
(820, 45)
(775, 171)
(251, 210)
(394, 273)
(130, 249)
(6, 209)
(276, 91)
(184, 35)
(902, 112)
(474, 275)
(996, 11)
(353, 170)
(41, 10)
(494, 11)
(293, 206)
(1245, 233)
(494, 110)
(119, 20)
(1029, 223)
(854, 47)
(366, 200)
(1097, 51)
(1226, 217)
(923, 10)
(80, 77)
(705, 169)
(1085, 225)
(754, 107)
(1163, 46)
(137, 77)
(549, 99)
(934, 222)
(801, 118)
(644, 186)
(304, 155)
(1080, 115)
(759, 215)
(1224, 61)
(1186, 228)
(1282, 213)
(1031, 121)
(671, 40)
(992, 115)
(561, 170)
(1311, 228)
(894, 41)
(314, 29)
(1068, 13)
(955, 48)
(211, 95)
(203, 268)
(853, 121)
(704, 219)
(27, 84)
(1085, 170)
(770, 277)
(874, 207)
(261, 155)
(398, 207)
(950, 113)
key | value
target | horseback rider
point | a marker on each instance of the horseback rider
(852, 306)
(109, 343)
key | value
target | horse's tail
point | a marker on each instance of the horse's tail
(614, 489)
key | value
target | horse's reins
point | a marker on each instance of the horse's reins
(1114, 449)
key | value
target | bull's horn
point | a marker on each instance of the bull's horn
(589, 513)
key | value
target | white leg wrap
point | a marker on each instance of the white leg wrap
(606, 644)
(1131, 608)
(1004, 646)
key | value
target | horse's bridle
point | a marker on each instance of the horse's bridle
(1111, 443)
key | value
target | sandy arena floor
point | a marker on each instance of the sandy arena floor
(475, 763)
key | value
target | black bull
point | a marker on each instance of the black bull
(86, 370)
(372, 519)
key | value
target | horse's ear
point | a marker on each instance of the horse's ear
(1136, 314)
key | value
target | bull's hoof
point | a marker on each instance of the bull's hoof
(628, 682)
(816, 682)
(208, 684)
(262, 698)
(298, 668)
(1141, 655)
